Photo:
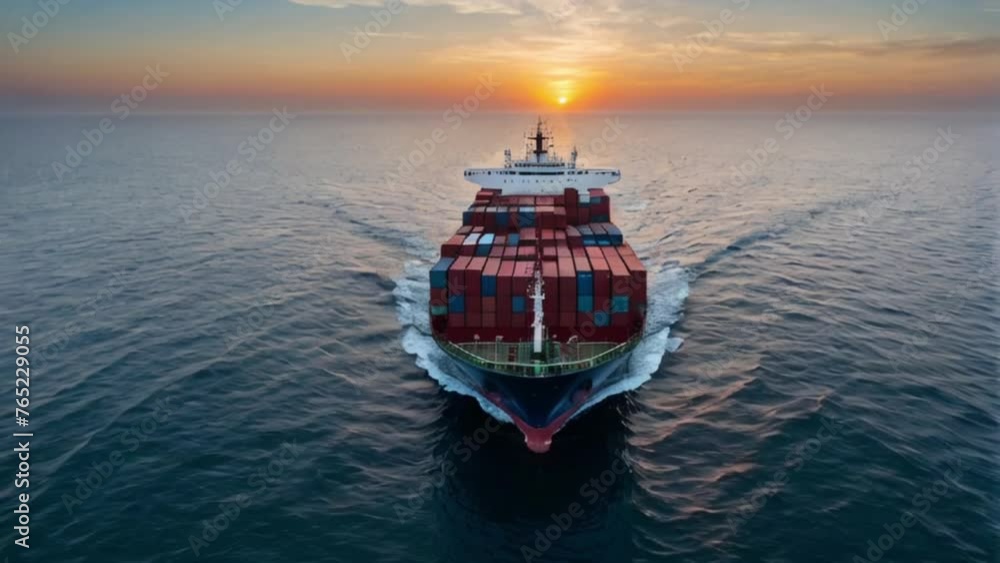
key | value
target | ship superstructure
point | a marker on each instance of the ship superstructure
(542, 170)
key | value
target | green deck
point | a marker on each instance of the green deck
(514, 358)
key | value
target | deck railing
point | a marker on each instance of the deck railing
(538, 368)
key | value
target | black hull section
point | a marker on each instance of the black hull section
(541, 406)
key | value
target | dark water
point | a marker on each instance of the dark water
(244, 376)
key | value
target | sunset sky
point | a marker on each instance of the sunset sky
(576, 55)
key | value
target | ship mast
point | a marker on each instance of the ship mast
(538, 297)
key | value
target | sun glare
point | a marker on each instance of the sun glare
(563, 100)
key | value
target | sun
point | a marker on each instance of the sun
(563, 100)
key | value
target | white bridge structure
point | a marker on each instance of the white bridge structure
(541, 171)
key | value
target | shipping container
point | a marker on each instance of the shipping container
(439, 273)
(456, 276)
(602, 278)
(529, 236)
(621, 281)
(573, 237)
(510, 252)
(521, 279)
(504, 292)
(489, 283)
(550, 277)
(567, 285)
(526, 252)
(452, 246)
(473, 291)
(484, 244)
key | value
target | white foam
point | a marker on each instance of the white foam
(668, 290)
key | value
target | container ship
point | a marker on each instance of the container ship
(537, 297)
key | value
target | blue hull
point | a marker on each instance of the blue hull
(541, 406)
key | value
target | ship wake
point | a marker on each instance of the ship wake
(668, 288)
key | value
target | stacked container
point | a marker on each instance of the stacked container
(595, 285)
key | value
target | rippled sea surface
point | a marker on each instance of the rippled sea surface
(246, 377)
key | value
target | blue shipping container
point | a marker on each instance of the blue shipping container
(456, 304)
(513, 240)
(466, 217)
(482, 250)
(487, 239)
(503, 218)
(439, 273)
(619, 304)
(585, 284)
(518, 303)
(526, 217)
(601, 318)
(584, 303)
(489, 286)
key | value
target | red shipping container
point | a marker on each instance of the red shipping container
(519, 320)
(456, 320)
(573, 237)
(452, 246)
(562, 251)
(439, 297)
(490, 219)
(580, 261)
(510, 252)
(521, 279)
(489, 320)
(496, 252)
(473, 291)
(464, 230)
(548, 253)
(602, 279)
(504, 289)
(492, 268)
(529, 236)
(621, 281)
(500, 240)
(548, 237)
(477, 230)
(550, 276)
(526, 253)
(567, 285)
(560, 218)
(583, 216)
(638, 273)
(473, 320)
(571, 195)
(545, 201)
(456, 275)
(567, 320)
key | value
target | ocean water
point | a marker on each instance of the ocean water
(242, 373)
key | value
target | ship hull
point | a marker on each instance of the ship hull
(541, 406)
